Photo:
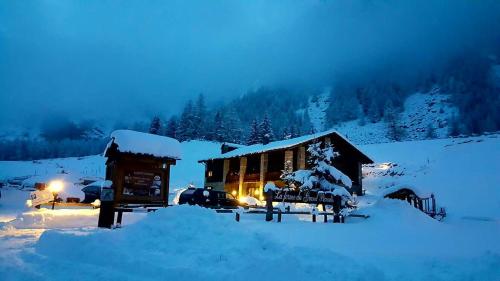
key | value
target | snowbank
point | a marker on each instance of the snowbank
(192, 243)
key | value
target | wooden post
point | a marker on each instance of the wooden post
(225, 171)
(433, 202)
(279, 215)
(237, 216)
(243, 168)
(336, 218)
(269, 205)
(325, 218)
(301, 158)
(107, 209)
(314, 217)
(263, 171)
(119, 217)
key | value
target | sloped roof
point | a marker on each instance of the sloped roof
(128, 141)
(284, 144)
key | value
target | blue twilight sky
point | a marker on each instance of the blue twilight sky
(117, 59)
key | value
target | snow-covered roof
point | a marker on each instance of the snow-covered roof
(142, 143)
(276, 145)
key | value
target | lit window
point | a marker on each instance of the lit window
(210, 173)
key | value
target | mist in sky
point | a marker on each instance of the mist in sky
(124, 60)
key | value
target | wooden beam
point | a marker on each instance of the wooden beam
(243, 168)
(263, 171)
(225, 171)
(301, 158)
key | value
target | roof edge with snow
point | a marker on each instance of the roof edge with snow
(284, 144)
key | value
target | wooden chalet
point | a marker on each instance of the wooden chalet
(244, 170)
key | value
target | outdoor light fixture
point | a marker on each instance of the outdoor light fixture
(55, 187)
(234, 192)
(385, 166)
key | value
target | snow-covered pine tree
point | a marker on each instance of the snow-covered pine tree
(233, 127)
(171, 130)
(266, 130)
(199, 118)
(185, 131)
(286, 135)
(294, 131)
(155, 126)
(391, 117)
(431, 132)
(218, 129)
(287, 174)
(322, 175)
(254, 136)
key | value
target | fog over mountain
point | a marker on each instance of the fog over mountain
(123, 60)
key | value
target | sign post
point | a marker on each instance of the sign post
(107, 210)
(269, 205)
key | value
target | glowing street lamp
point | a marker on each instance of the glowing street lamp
(55, 187)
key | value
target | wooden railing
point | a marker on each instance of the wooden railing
(427, 204)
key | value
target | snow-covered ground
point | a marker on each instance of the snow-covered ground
(397, 242)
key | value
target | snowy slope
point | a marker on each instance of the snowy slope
(421, 110)
(462, 173)
(397, 242)
(316, 110)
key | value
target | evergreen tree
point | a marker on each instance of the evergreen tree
(155, 126)
(233, 127)
(171, 130)
(254, 136)
(266, 130)
(294, 132)
(391, 117)
(218, 128)
(186, 123)
(322, 175)
(200, 129)
(431, 132)
(285, 135)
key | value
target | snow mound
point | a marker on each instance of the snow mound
(143, 143)
(168, 245)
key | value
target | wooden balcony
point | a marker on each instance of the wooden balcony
(252, 177)
(273, 176)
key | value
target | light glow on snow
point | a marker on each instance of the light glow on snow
(56, 186)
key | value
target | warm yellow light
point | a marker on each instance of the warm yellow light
(256, 192)
(56, 186)
(385, 166)
(234, 192)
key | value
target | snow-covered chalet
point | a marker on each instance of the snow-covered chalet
(244, 170)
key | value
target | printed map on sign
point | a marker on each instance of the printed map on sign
(139, 183)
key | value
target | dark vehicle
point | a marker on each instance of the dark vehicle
(92, 192)
(209, 198)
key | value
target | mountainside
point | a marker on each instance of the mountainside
(425, 116)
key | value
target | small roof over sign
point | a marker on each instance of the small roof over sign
(129, 141)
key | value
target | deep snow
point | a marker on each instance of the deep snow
(397, 242)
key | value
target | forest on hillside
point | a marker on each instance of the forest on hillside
(273, 113)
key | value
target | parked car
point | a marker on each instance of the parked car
(209, 198)
(92, 192)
